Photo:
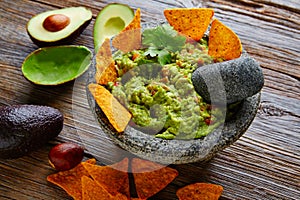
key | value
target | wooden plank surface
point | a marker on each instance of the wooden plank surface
(263, 164)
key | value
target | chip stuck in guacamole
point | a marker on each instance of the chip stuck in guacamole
(56, 65)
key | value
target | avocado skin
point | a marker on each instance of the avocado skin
(99, 18)
(25, 128)
(62, 41)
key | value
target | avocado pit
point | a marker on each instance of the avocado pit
(56, 22)
(65, 156)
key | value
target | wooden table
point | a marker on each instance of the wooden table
(263, 164)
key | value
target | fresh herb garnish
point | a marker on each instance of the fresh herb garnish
(161, 41)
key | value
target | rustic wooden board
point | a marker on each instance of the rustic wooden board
(263, 164)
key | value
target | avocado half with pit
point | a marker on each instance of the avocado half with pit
(56, 65)
(59, 26)
(110, 21)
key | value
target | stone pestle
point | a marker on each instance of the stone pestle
(230, 81)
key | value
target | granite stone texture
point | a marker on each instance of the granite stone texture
(146, 146)
(230, 81)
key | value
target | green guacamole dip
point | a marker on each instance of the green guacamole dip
(162, 99)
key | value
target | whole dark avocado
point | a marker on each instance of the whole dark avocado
(25, 128)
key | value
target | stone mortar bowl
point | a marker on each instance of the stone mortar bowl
(178, 151)
(237, 86)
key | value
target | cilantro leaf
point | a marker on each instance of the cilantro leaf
(161, 41)
(152, 51)
(164, 57)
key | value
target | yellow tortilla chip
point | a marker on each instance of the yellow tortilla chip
(116, 113)
(91, 190)
(223, 42)
(70, 180)
(150, 177)
(200, 191)
(191, 22)
(105, 65)
(113, 178)
(130, 37)
(110, 74)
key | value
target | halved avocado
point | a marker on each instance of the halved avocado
(56, 65)
(111, 20)
(59, 26)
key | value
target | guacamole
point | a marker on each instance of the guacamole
(161, 98)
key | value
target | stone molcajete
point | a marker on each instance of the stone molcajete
(198, 150)
(231, 87)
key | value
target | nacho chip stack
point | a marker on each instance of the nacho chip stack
(113, 178)
(70, 180)
(91, 190)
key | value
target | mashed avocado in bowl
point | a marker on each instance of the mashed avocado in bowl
(162, 98)
(170, 122)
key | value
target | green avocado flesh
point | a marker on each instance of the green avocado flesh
(110, 21)
(162, 98)
(56, 65)
(79, 19)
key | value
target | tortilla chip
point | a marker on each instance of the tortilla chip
(91, 190)
(191, 22)
(200, 191)
(105, 65)
(113, 178)
(116, 113)
(70, 180)
(130, 37)
(223, 42)
(150, 177)
(104, 55)
(110, 74)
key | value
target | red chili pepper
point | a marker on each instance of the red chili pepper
(208, 121)
(116, 83)
(134, 56)
(200, 63)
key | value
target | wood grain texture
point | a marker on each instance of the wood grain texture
(263, 164)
